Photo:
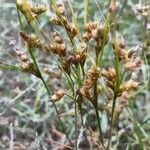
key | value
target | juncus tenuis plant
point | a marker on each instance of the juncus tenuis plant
(80, 61)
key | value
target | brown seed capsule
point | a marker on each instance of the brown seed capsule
(38, 9)
(55, 20)
(112, 6)
(111, 73)
(63, 47)
(90, 26)
(92, 75)
(58, 39)
(23, 57)
(86, 36)
(95, 33)
(61, 8)
(132, 64)
(119, 43)
(25, 66)
(131, 52)
(57, 96)
(129, 85)
(65, 66)
(32, 40)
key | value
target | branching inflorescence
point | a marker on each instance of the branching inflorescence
(83, 74)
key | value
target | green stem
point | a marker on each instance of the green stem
(95, 104)
(85, 11)
(100, 56)
(99, 125)
(75, 20)
(49, 93)
(118, 75)
(76, 128)
(8, 66)
(19, 17)
(111, 123)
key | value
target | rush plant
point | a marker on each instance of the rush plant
(88, 83)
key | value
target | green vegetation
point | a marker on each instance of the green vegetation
(74, 75)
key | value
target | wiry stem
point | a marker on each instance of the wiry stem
(95, 104)
(49, 93)
(99, 125)
(76, 128)
(85, 11)
(112, 12)
(111, 122)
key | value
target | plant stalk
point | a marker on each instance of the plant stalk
(111, 123)
(49, 93)
(95, 104)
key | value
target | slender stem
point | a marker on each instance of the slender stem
(8, 66)
(81, 113)
(100, 56)
(85, 11)
(75, 20)
(99, 125)
(95, 104)
(76, 128)
(19, 17)
(101, 13)
(117, 84)
(78, 68)
(77, 71)
(111, 123)
(118, 75)
(49, 93)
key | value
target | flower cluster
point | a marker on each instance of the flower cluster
(61, 19)
(130, 62)
(128, 85)
(129, 58)
(59, 47)
(96, 31)
(31, 40)
(78, 57)
(30, 10)
(110, 75)
(26, 63)
(57, 95)
(92, 75)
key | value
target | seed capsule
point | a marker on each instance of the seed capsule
(57, 96)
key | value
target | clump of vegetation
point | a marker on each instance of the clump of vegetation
(97, 94)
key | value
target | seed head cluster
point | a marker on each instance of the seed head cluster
(31, 40)
(58, 47)
(61, 19)
(30, 10)
(129, 58)
(92, 75)
(26, 63)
